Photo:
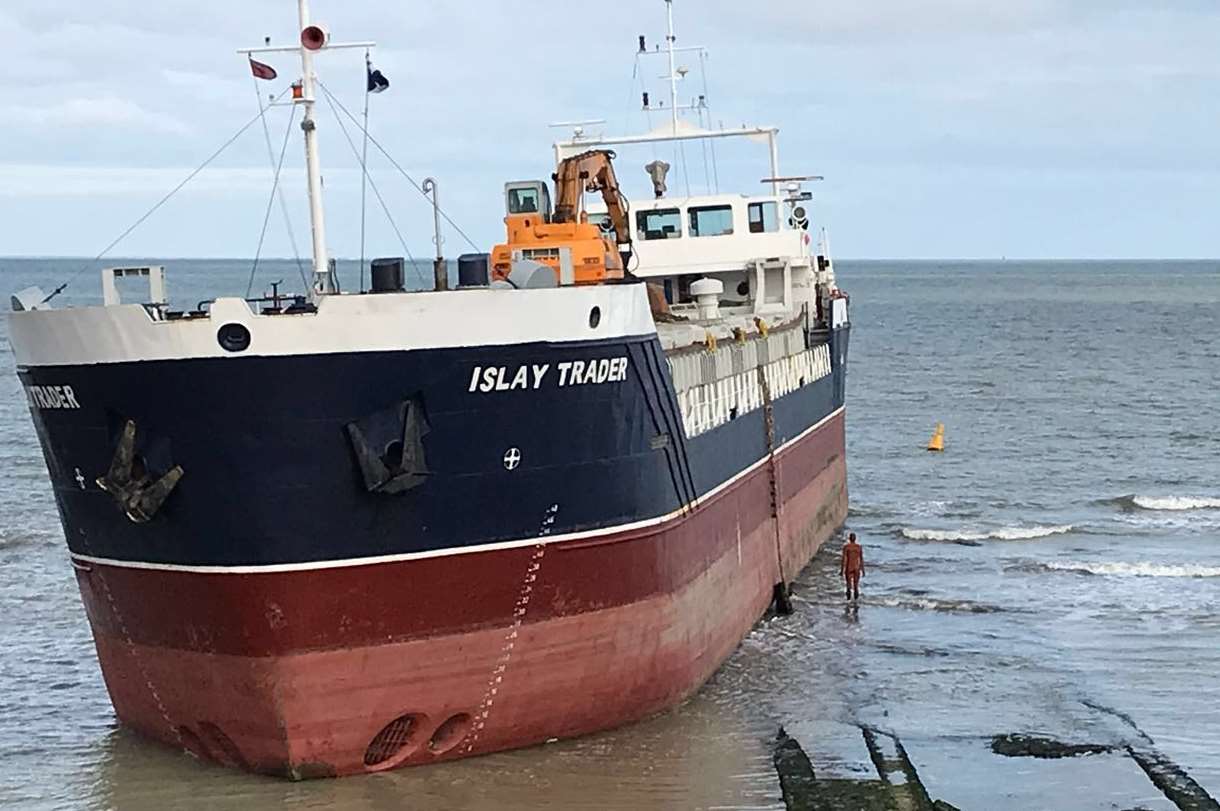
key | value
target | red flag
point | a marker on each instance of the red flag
(262, 71)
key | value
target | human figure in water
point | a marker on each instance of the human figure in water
(851, 566)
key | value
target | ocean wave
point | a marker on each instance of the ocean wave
(1186, 436)
(919, 603)
(975, 536)
(11, 539)
(927, 509)
(1132, 569)
(1166, 503)
(858, 510)
(1145, 521)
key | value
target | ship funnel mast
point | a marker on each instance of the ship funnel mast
(677, 73)
(314, 39)
(582, 141)
(673, 67)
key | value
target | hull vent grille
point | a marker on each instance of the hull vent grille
(390, 742)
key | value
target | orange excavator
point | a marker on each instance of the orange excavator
(578, 250)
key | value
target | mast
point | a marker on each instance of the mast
(313, 40)
(582, 141)
(323, 281)
(673, 68)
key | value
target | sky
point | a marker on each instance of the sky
(944, 128)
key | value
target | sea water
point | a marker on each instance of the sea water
(1055, 571)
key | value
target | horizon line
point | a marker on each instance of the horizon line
(995, 259)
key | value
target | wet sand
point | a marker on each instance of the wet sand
(1055, 576)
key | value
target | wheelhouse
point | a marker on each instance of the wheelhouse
(751, 244)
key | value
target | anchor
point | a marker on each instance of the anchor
(399, 431)
(129, 483)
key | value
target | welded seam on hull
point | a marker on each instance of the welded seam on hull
(133, 651)
(279, 568)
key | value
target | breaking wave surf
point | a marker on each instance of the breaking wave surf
(976, 536)
(1132, 569)
(923, 603)
(1167, 503)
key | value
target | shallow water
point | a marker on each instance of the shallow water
(1063, 555)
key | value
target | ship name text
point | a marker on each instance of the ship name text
(534, 376)
(51, 397)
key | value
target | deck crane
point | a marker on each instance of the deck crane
(579, 251)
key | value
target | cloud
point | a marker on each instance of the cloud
(88, 113)
(49, 181)
(122, 98)
(209, 88)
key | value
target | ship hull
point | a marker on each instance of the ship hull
(504, 663)
(391, 542)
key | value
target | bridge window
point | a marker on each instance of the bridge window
(665, 223)
(711, 221)
(764, 218)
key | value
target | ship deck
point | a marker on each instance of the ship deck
(682, 332)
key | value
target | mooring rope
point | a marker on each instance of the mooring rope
(773, 472)
(160, 202)
(292, 237)
(275, 187)
(397, 166)
(376, 192)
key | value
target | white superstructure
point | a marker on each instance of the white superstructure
(759, 247)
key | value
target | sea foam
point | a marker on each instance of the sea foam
(1174, 503)
(917, 603)
(999, 534)
(1134, 569)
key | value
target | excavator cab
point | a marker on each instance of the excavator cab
(563, 238)
(528, 197)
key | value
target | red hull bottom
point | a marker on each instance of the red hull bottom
(278, 674)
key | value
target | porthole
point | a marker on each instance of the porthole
(233, 338)
(595, 317)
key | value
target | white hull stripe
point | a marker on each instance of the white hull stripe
(392, 322)
(278, 568)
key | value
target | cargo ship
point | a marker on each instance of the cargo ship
(340, 533)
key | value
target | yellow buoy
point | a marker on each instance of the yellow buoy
(937, 443)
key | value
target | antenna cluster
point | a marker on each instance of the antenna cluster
(677, 73)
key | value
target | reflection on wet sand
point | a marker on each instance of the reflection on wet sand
(704, 755)
(1103, 637)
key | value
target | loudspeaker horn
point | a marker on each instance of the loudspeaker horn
(315, 37)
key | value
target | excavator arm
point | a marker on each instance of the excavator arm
(591, 171)
(580, 252)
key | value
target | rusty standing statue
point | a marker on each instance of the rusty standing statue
(852, 566)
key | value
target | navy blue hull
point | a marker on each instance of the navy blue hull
(273, 470)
